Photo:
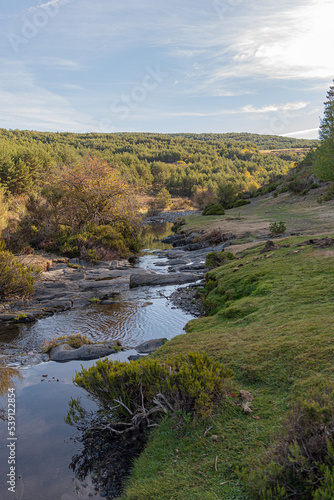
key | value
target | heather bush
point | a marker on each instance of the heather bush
(301, 462)
(140, 391)
(15, 278)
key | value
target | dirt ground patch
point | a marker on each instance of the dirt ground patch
(302, 215)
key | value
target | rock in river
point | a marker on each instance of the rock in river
(151, 279)
(65, 352)
(150, 346)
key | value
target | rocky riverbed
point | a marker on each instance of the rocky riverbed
(66, 284)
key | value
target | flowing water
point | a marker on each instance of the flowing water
(44, 444)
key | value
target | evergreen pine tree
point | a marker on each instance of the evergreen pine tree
(326, 132)
(324, 162)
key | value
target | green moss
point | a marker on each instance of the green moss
(271, 323)
(20, 316)
(95, 300)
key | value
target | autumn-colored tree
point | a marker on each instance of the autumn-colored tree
(90, 193)
(86, 209)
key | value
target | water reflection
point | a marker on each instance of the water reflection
(107, 459)
(8, 377)
(153, 233)
(45, 444)
(45, 448)
(138, 315)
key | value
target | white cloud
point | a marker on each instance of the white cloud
(60, 63)
(287, 40)
(292, 44)
(280, 108)
(28, 105)
(52, 3)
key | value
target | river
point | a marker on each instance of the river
(43, 445)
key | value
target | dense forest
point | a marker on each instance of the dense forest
(181, 163)
(76, 193)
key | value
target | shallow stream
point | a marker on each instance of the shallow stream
(44, 444)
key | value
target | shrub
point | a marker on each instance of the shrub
(277, 228)
(301, 463)
(213, 209)
(4, 209)
(204, 196)
(284, 189)
(240, 203)
(216, 259)
(215, 237)
(178, 223)
(299, 185)
(182, 204)
(162, 200)
(137, 392)
(87, 206)
(226, 194)
(329, 193)
(304, 192)
(15, 278)
(272, 187)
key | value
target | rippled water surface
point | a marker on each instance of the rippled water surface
(44, 446)
(137, 315)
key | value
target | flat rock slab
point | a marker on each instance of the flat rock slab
(150, 346)
(109, 283)
(65, 352)
(155, 279)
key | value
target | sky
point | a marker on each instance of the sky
(166, 65)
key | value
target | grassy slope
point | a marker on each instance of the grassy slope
(272, 323)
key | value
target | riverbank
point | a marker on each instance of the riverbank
(64, 285)
(270, 321)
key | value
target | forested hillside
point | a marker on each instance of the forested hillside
(75, 193)
(181, 163)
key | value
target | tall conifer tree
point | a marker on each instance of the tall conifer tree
(324, 161)
(326, 132)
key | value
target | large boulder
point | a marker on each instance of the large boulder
(64, 352)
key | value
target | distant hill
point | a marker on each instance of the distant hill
(181, 163)
(261, 141)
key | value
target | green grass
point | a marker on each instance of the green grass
(272, 323)
(299, 214)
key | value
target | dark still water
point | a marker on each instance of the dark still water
(45, 446)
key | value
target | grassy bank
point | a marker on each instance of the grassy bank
(270, 320)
